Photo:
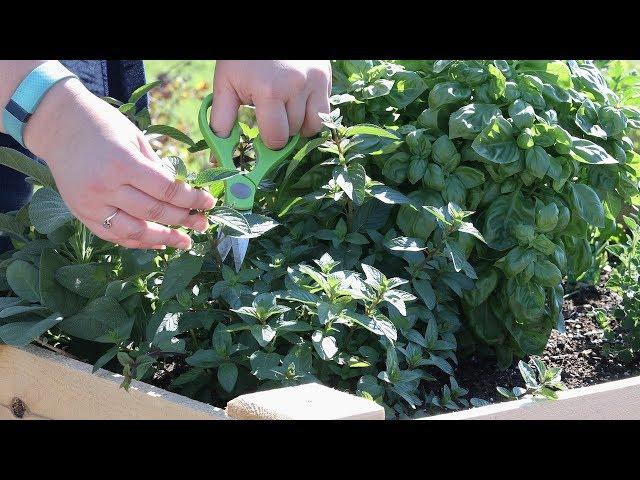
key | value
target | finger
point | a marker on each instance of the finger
(99, 231)
(127, 229)
(139, 204)
(146, 247)
(142, 246)
(224, 110)
(146, 149)
(295, 113)
(152, 180)
(318, 102)
(271, 115)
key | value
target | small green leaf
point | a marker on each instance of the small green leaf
(528, 375)
(171, 132)
(506, 393)
(227, 376)
(307, 148)
(210, 175)
(230, 218)
(367, 129)
(176, 167)
(139, 92)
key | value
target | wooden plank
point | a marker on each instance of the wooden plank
(54, 386)
(39, 384)
(311, 401)
(617, 400)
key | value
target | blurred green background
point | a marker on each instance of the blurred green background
(184, 83)
(181, 78)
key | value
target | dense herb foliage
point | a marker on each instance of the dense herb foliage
(437, 212)
(624, 281)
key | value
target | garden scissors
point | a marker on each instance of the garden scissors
(239, 191)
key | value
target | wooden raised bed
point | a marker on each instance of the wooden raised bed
(617, 400)
(39, 384)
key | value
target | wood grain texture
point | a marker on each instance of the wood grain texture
(311, 401)
(618, 400)
(52, 386)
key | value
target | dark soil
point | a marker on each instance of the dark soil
(577, 351)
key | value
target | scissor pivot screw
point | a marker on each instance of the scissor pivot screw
(240, 190)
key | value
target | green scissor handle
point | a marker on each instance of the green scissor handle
(239, 191)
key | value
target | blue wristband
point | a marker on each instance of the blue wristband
(28, 95)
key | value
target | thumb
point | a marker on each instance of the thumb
(224, 110)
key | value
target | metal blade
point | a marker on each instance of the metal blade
(239, 246)
(224, 245)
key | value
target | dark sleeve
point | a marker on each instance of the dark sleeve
(14, 190)
(125, 76)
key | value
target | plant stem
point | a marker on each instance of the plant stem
(194, 338)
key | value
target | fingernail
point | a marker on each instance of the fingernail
(185, 245)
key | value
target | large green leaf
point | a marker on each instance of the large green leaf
(407, 87)
(23, 278)
(31, 168)
(179, 274)
(587, 204)
(496, 142)
(88, 280)
(48, 211)
(470, 120)
(10, 226)
(20, 334)
(503, 214)
(586, 151)
(448, 92)
(100, 320)
(52, 293)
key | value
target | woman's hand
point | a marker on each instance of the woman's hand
(102, 164)
(287, 94)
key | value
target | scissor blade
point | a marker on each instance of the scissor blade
(224, 245)
(239, 246)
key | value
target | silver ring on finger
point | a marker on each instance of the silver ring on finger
(107, 221)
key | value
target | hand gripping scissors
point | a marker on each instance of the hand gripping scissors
(239, 191)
